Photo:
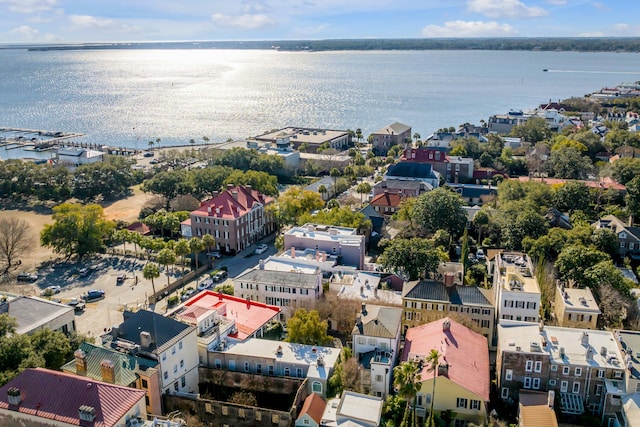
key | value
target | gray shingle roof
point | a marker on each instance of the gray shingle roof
(411, 170)
(32, 312)
(432, 290)
(280, 278)
(379, 321)
(164, 330)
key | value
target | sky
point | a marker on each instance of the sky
(57, 21)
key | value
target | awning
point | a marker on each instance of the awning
(571, 403)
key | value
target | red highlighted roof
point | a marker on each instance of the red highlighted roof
(387, 199)
(249, 315)
(233, 203)
(466, 352)
(58, 396)
(314, 406)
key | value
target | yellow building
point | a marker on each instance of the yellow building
(576, 308)
(461, 381)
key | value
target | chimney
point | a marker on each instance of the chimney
(107, 369)
(81, 361)
(293, 252)
(14, 396)
(320, 361)
(443, 370)
(311, 228)
(229, 186)
(364, 308)
(234, 194)
(584, 339)
(449, 279)
(87, 413)
(248, 187)
(209, 209)
(551, 398)
(114, 332)
(446, 325)
(261, 264)
(145, 340)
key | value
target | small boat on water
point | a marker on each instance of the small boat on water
(545, 70)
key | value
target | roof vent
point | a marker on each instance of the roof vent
(13, 396)
(87, 413)
(561, 351)
(145, 340)
(320, 361)
(279, 350)
(603, 351)
(446, 325)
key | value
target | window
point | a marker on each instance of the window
(175, 368)
(529, 366)
(165, 375)
(527, 382)
(552, 383)
(173, 350)
(554, 368)
(183, 381)
(232, 365)
(538, 367)
(372, 341)
(217, 364)
(287, 372)
(564, 385)
(504, 393)
(316, 387)
(175, 386)
(182, 364)
(578, 372)
(508, 375)
(241, 413)
(599, 389)
(299, 372)
(576, 388)
(258, 368)
(246, 366)
(565, 370)
(484, 323)
(270, 370)
(145, 384)
(461, 402)
(419, 400)
(378, 378)
(617, 374)
(164, 356)
(363, 340)
(306, 421)
(536, 383)
(475, 404)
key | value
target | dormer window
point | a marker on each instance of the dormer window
(622, 235)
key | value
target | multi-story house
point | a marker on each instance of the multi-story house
(352, 409)
(576, 308)
(114, 367)
(278, 359)
(452, 168)
(584, 367)
(462, 376)
(311, 139)
(221, 318)
(504, 123)
(343, 242)
(237, 218)
(42, 397)
(385, 138)
(387, 203)
(376, 338)
(173, 344)
(625, 412)
(515, 287)
(284, 289)
(412, 171)
(628, 236)
(428, 300)
(407, 188)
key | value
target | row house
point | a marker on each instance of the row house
(342, 242)
(406, 188)
(515, 287)
(575, 308)
(585, 368)
(237, 218)
(412, 171)
(285, 289)
(310, 138)
(453, 168)
(382, 140)
(376, 339)
(461, 379)
(428, 300)
(270, 358)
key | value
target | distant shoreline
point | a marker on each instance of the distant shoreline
(559, 44)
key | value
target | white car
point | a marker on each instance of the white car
(261, 249)
(480, 255)
(50, 290)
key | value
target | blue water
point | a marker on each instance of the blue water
(128, 97)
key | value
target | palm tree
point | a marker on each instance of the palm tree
(206, 140)
(158, 141)
(196, 246)
(192, 141)
(151, 145)
(209, 241)
(182, 248)
(335, 173)
(363, 188)
(408, 383)
(151, 271)
(432, 360)
(416, 136)
(359, 134)
(166, 257)
(322, 189)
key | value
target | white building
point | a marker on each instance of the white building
(74, 157)
(515, 287)
(33, 314)
(353, 409)
(343, 242)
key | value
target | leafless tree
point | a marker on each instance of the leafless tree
(15, 241)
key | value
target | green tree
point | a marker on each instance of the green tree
(480, 221)
(225, 289)
(574, 260)
(260, 181)
(53, 346)
(407, 380)
(182, 248)
(432, 360)
(322, 189)
(209, 242)
(196, 246)
(167, 257)
(169, 184)
(362, 189)
(535, 129)
(335, 174)
(306, 327)
(8, 324)
(568, 163)
(414, 257)
(294, 202)
(572, 196)
(338, 216)
(394, 407)
(440, 209)
(625, 169)
(77, 230)
(632, 198)
(151, 271)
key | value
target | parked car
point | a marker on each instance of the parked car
(215, 254)
(148, 154)
(78, 305)
(120, 279)
(27, 277)
(219, 276)
(480, 255)
(187, 294)
(205, 284)
(84, 272)
(261, 249)
(50, 290)
(93, 294)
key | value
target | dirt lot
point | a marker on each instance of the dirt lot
(127, 210)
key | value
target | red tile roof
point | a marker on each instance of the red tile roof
(248, 315)
(226, 206)
(387, 199)
(314, 406)
(57, 396)
(466, 352)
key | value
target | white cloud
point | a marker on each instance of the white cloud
(469, 29)
(557, 2)
(505, 9)
(25, 32)
(246, 21)
(601, 6)
(83, 22)
(29, 6)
